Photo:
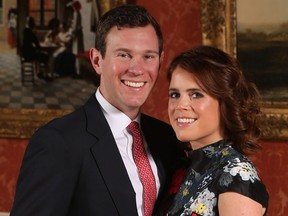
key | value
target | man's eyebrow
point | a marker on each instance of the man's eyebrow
(153, 51)
(128, 50)
(122, 49)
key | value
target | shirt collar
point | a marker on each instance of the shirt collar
(117, 120)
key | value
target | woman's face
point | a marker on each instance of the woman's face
(194, 115)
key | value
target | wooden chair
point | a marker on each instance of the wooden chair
(27, 71)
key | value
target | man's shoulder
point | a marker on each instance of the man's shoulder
(74, 114)
(79, 115)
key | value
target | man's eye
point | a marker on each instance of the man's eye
(123, 55)
(149, 56)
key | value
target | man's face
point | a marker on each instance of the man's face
(130, 67)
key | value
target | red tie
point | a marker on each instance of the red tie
(144, 168)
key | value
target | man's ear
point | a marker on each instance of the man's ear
(95, 58)
(161, 57)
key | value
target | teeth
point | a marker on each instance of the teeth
(134, 84)
(185, 120)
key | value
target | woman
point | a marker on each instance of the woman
(32, 51)
(75, 29)
(214, 108)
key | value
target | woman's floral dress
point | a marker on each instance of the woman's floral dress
(216, 169)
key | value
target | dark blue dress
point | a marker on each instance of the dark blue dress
(216, 169)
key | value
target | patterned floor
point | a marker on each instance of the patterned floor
(61, 93)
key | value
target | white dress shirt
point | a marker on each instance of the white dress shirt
(118, 123)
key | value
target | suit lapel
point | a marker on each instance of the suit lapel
(109, 161)
(110, 164)
(153, 144)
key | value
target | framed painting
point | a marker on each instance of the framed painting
(259, 40)
(21, 122)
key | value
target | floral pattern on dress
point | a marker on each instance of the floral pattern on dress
(245, 170)
(203, 205)
(216, 169)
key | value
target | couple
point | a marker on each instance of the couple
(82, 164)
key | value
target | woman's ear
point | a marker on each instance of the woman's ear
(95, 58)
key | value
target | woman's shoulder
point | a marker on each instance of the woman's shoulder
(229, 155)
(236, 167)
(238, 174)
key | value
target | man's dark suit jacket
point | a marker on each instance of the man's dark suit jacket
(72, 166)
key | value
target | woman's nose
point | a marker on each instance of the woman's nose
(183, 103)
(182, 107)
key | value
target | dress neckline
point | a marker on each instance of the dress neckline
(200, 158)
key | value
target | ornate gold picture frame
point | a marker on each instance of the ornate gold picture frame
(218, 22)
(22, 123)
(219, 29)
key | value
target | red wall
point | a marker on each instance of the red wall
(11, 153)
(272, 164)
(180, 23)
(179, 20)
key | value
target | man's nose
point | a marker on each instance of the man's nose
(137, 65)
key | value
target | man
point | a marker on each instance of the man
(82, 164)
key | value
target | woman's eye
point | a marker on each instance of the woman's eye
(174, 95)
(196, 95)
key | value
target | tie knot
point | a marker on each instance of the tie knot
(133, 128)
